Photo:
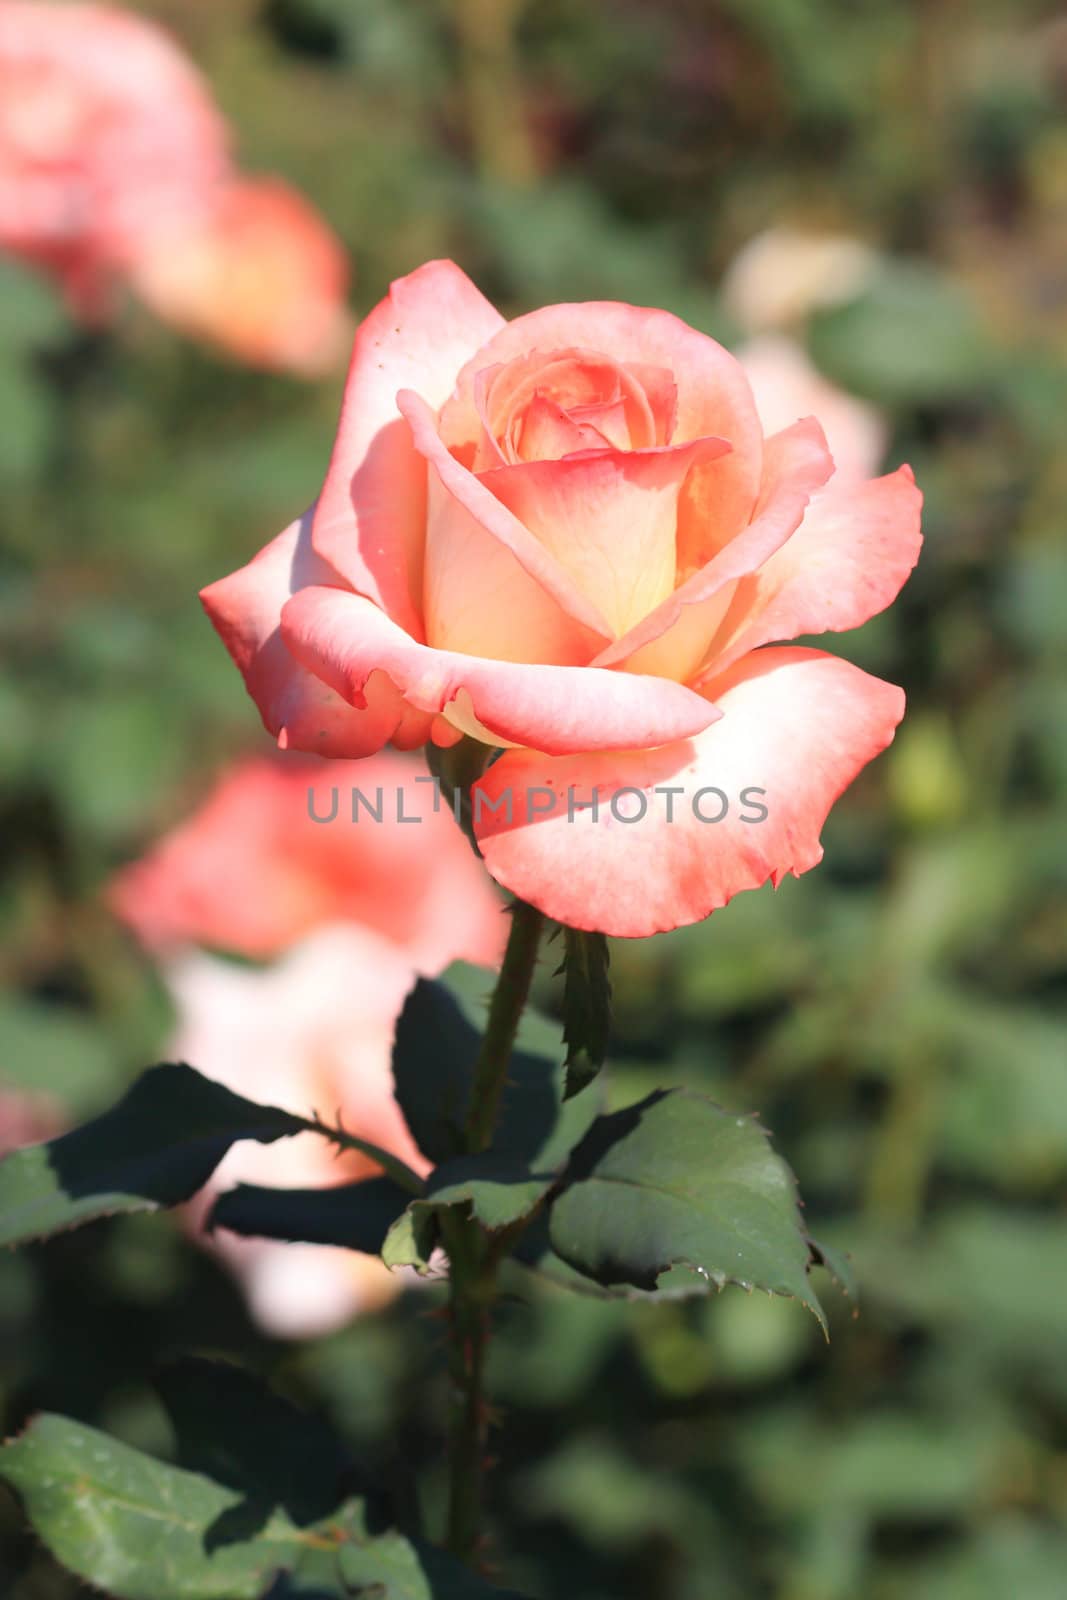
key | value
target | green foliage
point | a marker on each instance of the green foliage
(134, 1525)
(157, 1147)
(909, 338)
(437, 1041)
(586, 1005)
(676, 1181)
(437, 1038)
(140, 1528)
(894, 1017)
(354, 1216)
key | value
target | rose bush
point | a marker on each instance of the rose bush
(568, 537)
(115, 167)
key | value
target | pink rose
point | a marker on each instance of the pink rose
(312, 1034)
(259, 274)
(569, 537)
(252, 872)
(115, 166)
(106, 132)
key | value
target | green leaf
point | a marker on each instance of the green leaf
(837, 1263)
(496, 1190)
(677, 1181)
(412, 1239)
(155, 1148)
(141, 1530)
(437, 1040)
(356, 1216)
(408, 1570)
(586, 1006)
(534, 1138)
(499, 1191)
(534, 1253)
(233, 1427)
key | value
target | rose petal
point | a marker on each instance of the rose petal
(847, 561)
(609, 517)
(371, 514)
(574, 379)
(457, 546)
(713, 394)
(344, 638)
(296, 706)
(797, 725)
(548, 432)
(673, 639)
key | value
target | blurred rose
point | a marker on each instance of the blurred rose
(781, 276)
(115, 167)
(251, 871)
(107, 133)
(355, 910)
(568, 537)
(311, 1034)
(787, 386)
(260, 274)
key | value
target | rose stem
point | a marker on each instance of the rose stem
(472, 1264)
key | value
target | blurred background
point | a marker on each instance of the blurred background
(884, 188)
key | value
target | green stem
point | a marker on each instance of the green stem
(473, 1263)
(505, 1013)
(472, 1284)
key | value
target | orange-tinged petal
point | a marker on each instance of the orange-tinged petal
(343, 638)
(847, 561)
(609, 517)
(694, 382)
(674, 638)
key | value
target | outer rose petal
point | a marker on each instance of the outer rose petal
(344, 638)
(609, 517)
(371, 513)
(796, 724)
(713, 394)
(674, 638)
(847, 561)
(295, 705)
